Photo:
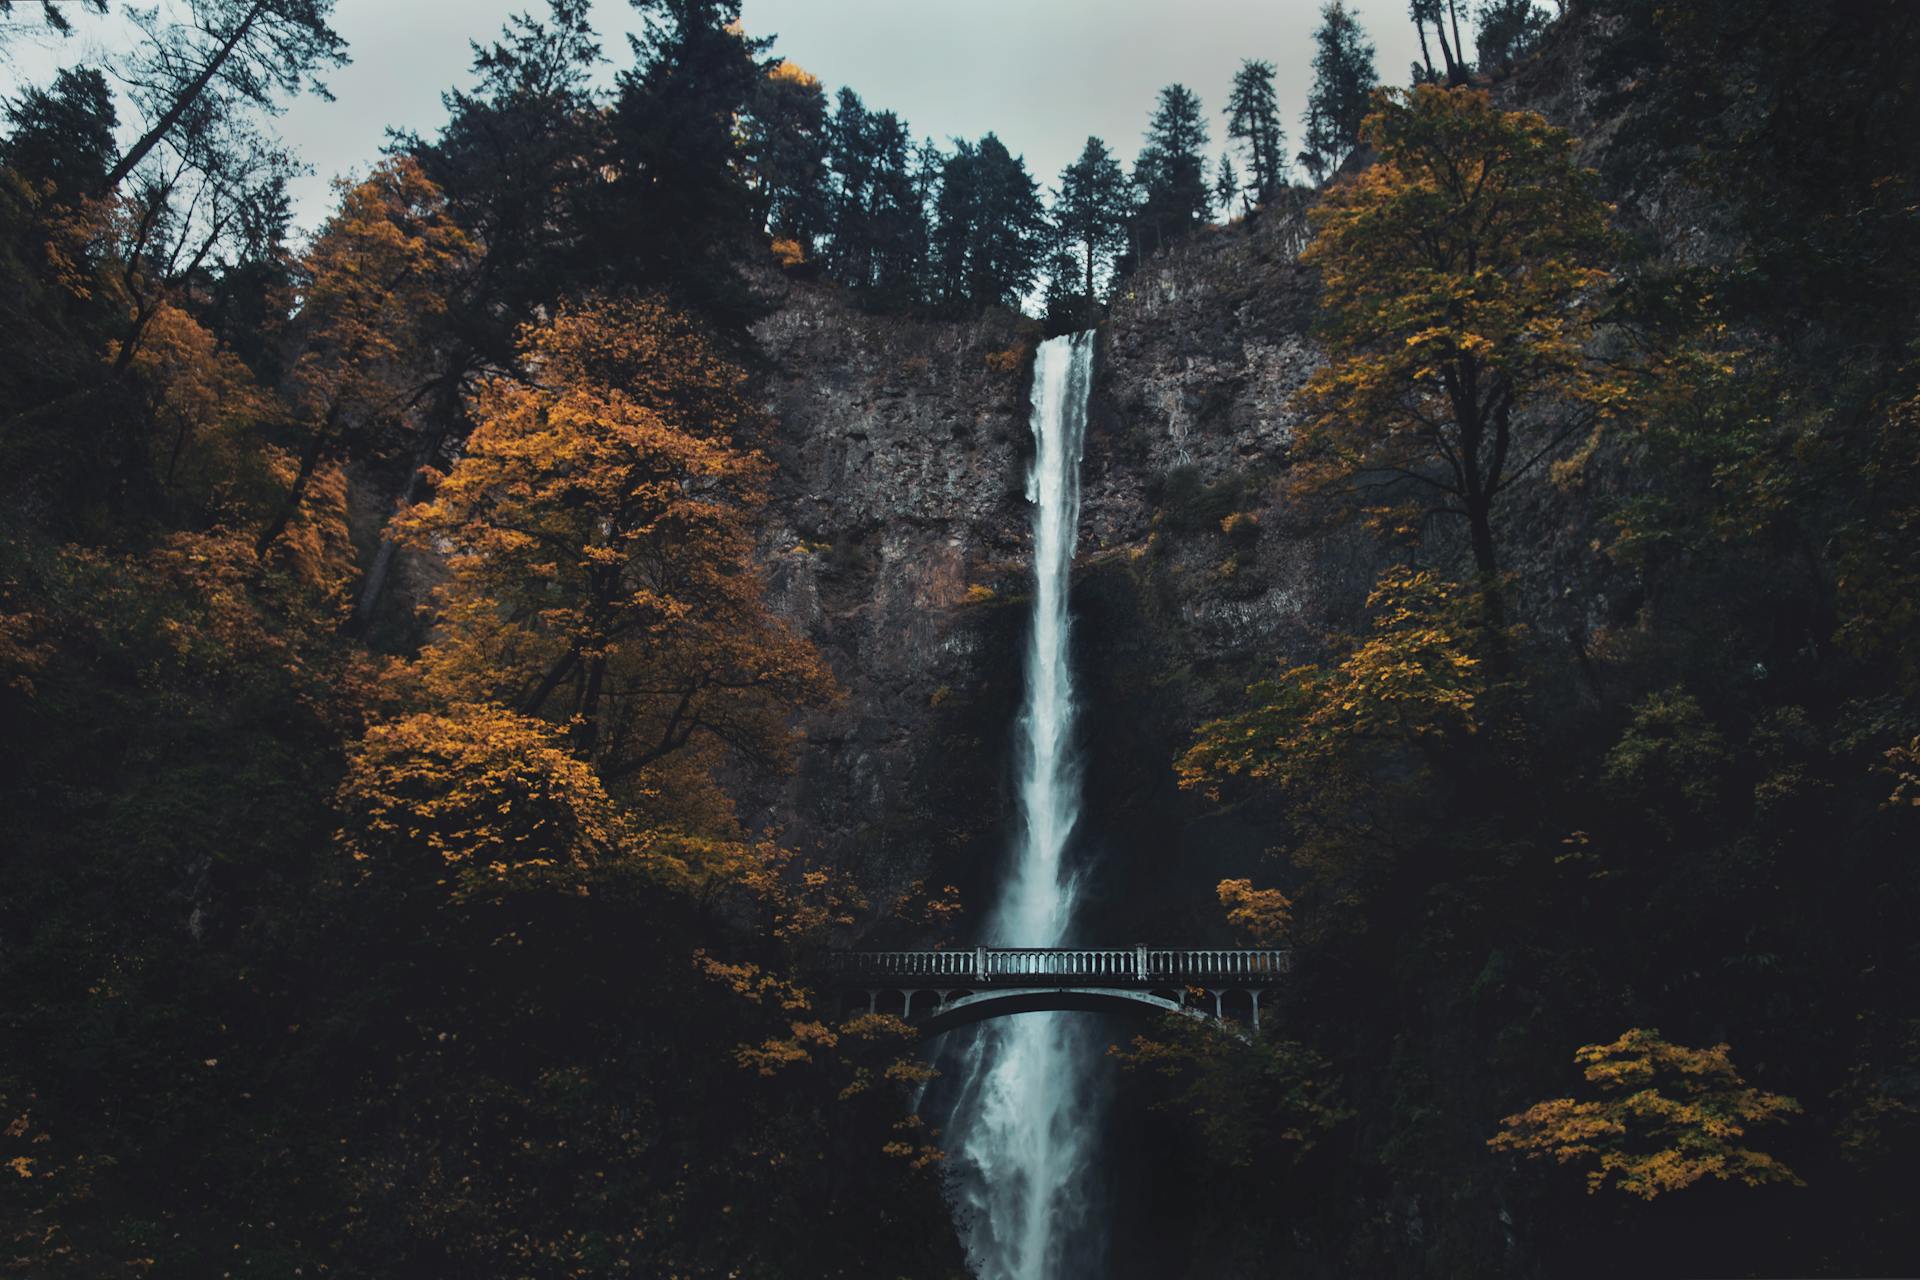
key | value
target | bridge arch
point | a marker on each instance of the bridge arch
(979, 1006)
(938, 990)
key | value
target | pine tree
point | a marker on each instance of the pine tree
(928, 163)
(1343, 81)
(1063, 297)
(1453, 53)
(896, 216)
(1253, 120)
(1090, 212)
(64, 134)
(194, 72)
(991, 228)
(517, 162)
(1171, 170)
(680, 207)
(787, 153)
(878, 205)
(1507, 31)
(849, 145)
(1226, 187)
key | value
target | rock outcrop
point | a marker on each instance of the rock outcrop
(897, 534)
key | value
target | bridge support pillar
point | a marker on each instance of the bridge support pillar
(1218, 1014)
(906, 1010)
(980, 964)
(1255, 993)
(873, 1000)
(1140, 963)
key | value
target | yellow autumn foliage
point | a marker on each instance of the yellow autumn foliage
(1660, 1117)
(1262, 916)
(1460, 289)
(1415, 676)
(600, 530)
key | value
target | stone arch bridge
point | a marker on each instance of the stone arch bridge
(939, 990)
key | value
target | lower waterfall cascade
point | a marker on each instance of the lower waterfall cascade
(1023, 1121)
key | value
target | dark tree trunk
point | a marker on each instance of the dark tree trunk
(587, 728)
(309, 463)
(377, 573)
(186, 98)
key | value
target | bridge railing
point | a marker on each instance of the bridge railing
(1131, 966)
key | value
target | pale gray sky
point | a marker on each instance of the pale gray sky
(1043, 74)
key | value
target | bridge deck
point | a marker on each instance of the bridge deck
(1138, 967)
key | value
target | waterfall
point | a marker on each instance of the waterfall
(1021, 1131)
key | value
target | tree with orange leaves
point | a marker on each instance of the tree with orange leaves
(600, 529)
(1461, 279)
(378, 278)
(1666, 1118)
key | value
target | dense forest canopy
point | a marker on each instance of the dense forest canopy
(388, 641)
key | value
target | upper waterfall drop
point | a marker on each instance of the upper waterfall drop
(1035, 906)
(1021, 1120)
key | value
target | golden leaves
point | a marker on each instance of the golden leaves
(601, 530)
(478, 798)
(1262, 916)
(1667, 1116)
(1415, 675)
(1904, 764)
(1461, 279)
(384, 264)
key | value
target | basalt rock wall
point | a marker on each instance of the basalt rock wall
(899, 539)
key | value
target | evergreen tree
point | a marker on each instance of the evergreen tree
(878, 206)
(1343, 82)
(849, 145)
(56, 14)
(1226, 187)
(1253, 120)
(990, 235)
(517, 162)
(63, 134)
(1453, 53)
(191, 75)
(680, 207)
(1171, 172)
(927, 164)
(1507, 31)
(1063, 281)
(247, 299)
(1090, 212)
(896, 216)
(787, 148)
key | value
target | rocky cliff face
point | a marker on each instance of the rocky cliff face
(897, 534)
(899, 539)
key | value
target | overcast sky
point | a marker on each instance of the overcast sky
(1042, 74)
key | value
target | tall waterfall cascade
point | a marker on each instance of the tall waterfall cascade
(1021, 1131)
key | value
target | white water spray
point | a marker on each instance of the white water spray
(1020, 1131)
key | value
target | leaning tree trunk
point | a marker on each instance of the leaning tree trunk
(181, 102)
(309, 463)
(381, 569)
